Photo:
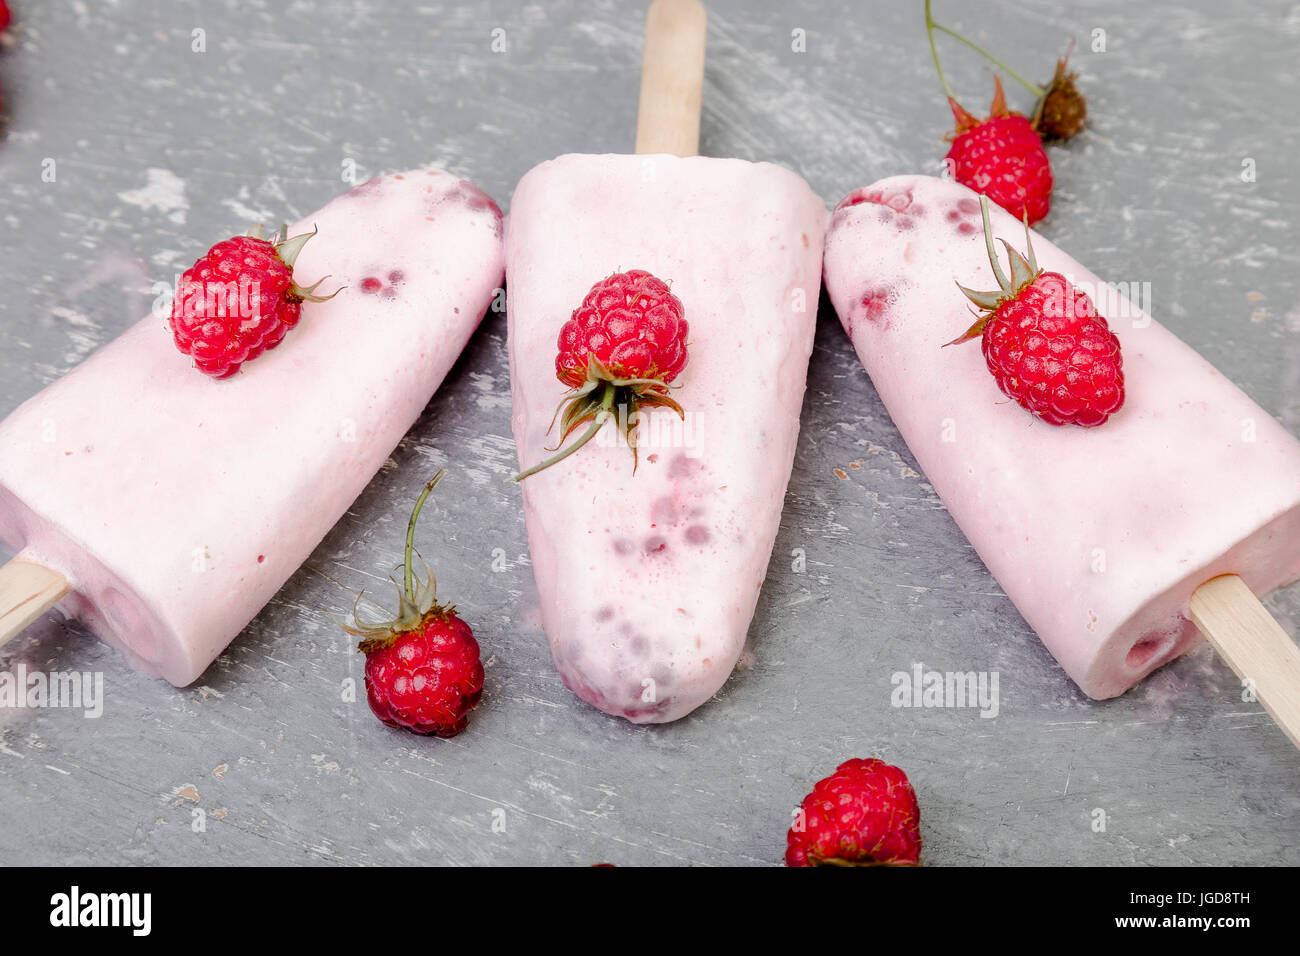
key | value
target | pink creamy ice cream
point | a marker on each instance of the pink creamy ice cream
(177, 505)
(648, 582)
(1098, 535)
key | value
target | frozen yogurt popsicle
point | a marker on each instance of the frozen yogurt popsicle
(648, 573)
(1100, 536)
(170, 506)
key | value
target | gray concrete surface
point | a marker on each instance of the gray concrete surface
(161, 150)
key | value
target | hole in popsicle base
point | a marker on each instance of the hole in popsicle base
(130, 627)
(1148, 649)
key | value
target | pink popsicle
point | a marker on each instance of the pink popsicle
(1100, 535)
(648, 580)
(170, 506)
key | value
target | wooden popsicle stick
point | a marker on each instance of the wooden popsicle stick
(1253, 644)
(27, 591)
(672, 78)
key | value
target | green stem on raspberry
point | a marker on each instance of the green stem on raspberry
(410, 532)
(1029, 247)
(931, 25)
(934, 52)
(606, 403)
(1027, 84)
(1001, 276)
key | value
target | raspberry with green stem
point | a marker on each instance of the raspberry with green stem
(621, 349)
(424, 671)
(1044, 342)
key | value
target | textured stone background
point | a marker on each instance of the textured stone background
(160, 151)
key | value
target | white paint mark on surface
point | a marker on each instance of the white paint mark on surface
(488, 394)
(83, 333)
(164, 191)
(73, 317)
(496, 456)
(248, 213)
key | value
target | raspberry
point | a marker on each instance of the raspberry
(1045, 343)
(864, 814)
(428, 679)
(1003, 158)
(423, 668)
(1050, 351)
(238, 300)
(632, 324)
(620, 349)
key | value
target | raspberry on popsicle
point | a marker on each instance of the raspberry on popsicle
(1044, 341)
(619, 353)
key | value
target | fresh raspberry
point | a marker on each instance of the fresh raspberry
(864, 814)
(632, 324)
(1003, 158)
(1050, 351)
(238, 300)
(1045, 343)
(428, 679)
(423, 668)
(621, 349)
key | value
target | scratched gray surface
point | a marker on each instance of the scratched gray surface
(160, 151)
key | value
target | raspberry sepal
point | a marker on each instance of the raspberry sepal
(595, 401)
(1023, 272)
(417, 598)
(288, 248)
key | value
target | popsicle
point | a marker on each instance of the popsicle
(164, 508)
(648, 569)
(1114, 542)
